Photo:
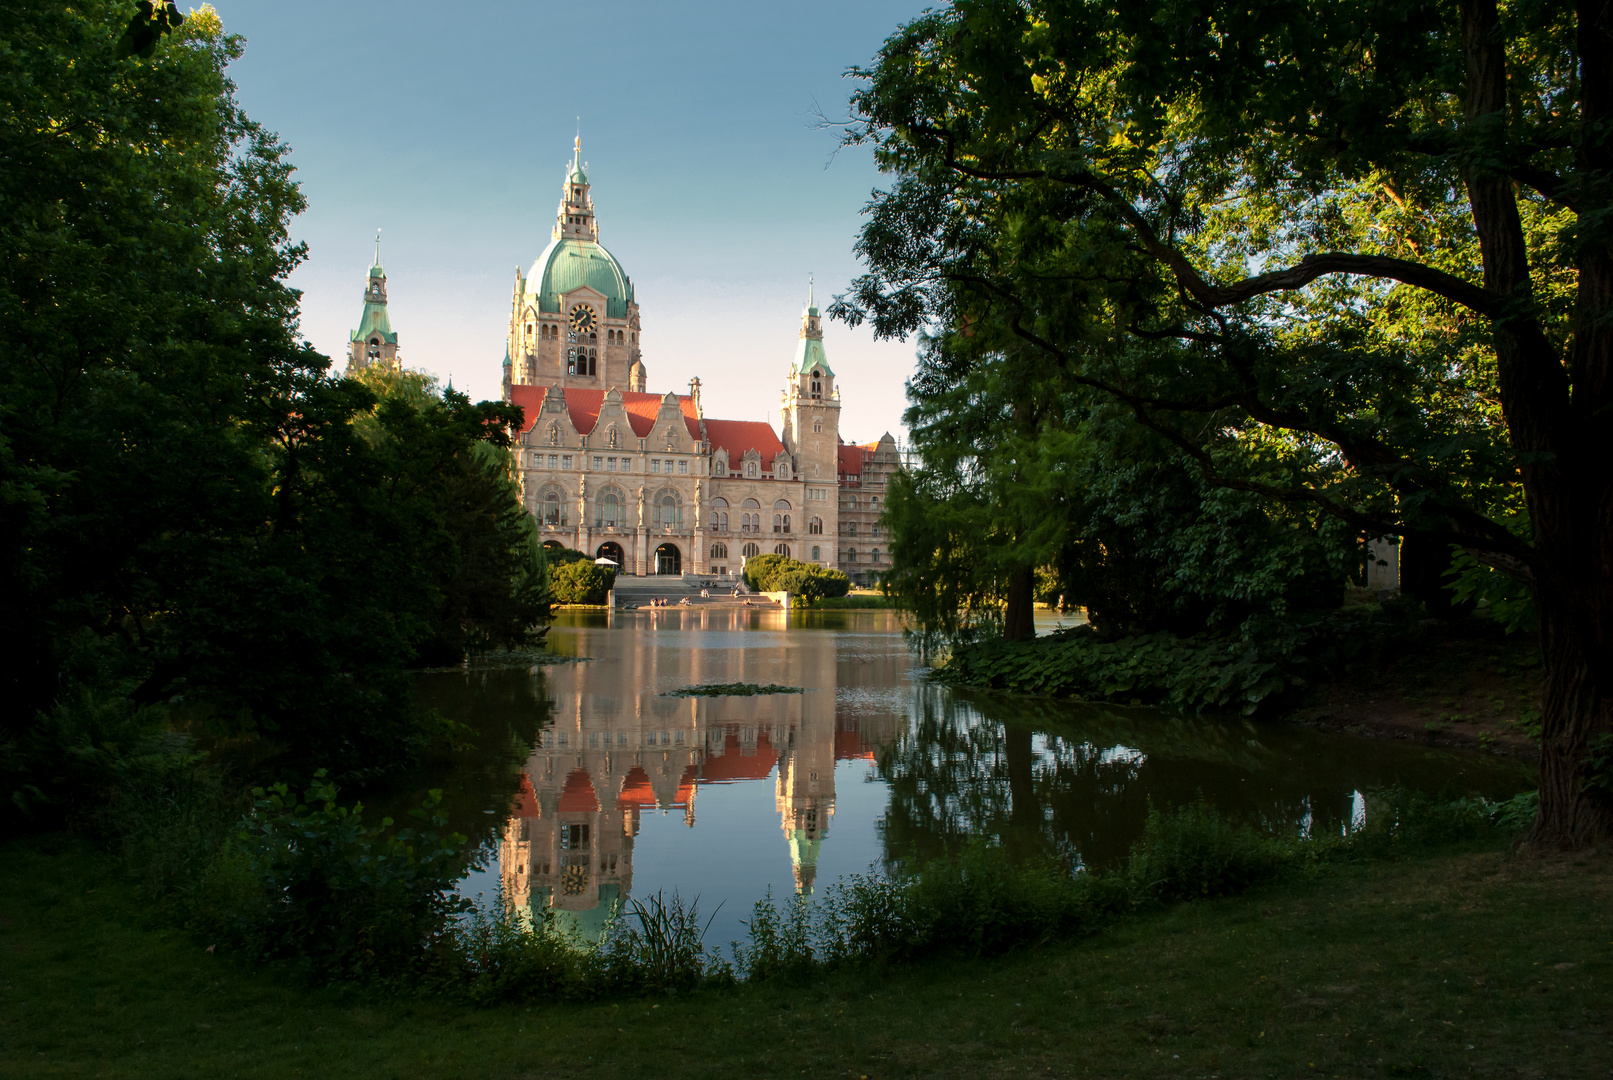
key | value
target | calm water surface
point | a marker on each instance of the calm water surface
(626, 790)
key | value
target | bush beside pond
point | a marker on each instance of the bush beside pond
(805, 582)
(1239, 671)
(580, 581)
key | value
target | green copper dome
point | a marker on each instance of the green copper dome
(570, 263)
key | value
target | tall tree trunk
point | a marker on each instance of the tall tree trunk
(1558, 420)
(1576, 711)
(1019, 615)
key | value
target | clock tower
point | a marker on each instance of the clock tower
(573, 318)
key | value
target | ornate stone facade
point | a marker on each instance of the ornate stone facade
(649, 480)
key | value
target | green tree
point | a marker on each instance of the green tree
(1115, 520)
(809, 582)
(1352, 257)
(579, 581)
(192, 512)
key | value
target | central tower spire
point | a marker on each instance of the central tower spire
(575, 218)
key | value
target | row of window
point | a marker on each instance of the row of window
(751, 550)
(550, 332)
(604, 463)
(561, 740)
(849, 528)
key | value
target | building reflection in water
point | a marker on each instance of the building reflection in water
(620, 748)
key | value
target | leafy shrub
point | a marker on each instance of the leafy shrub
(306, 879)
(581, 582)
(1241, 671)
(1194, 852)
(808, 582)
(658, 945)
(564, 556)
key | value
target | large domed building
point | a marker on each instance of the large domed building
(648, 480)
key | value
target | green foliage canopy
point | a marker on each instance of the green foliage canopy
(1352, 258)
(193, 514)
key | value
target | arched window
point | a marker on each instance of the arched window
(752, 469)
(815, 526)
(553, 509)
(815, 555)
(750, 504)
(750, 551)
(719, 551)
(778, 523)
(851, 556)
(719, 503)
(719, 521)
(782, 504)
(851, 528)
(667, 511)
(612, 510)
(781, 549)
(873, 556)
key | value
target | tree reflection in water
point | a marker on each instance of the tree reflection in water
(1077, 781)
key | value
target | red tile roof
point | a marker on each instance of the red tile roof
(738, 436)
(851, 459)
(584, 406)
(636, 791)
(734, 764)
(578, 794)
(526, 800)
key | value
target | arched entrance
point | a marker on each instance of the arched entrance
(612, 551)
(668, 560)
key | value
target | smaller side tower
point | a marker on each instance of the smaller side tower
(374, 342)
(810, 419)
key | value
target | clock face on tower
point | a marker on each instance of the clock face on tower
(582, 319)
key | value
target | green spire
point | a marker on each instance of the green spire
(375, 267)
(578, 173)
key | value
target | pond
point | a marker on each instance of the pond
(610, 787)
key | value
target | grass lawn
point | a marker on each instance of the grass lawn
(1465, 964)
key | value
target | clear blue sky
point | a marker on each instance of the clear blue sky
(447, 126)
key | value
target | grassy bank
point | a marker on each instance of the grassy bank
(1463, 963)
